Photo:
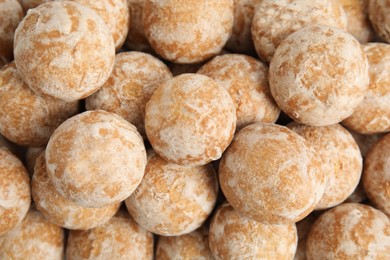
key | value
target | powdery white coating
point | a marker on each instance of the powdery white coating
(378, 11)
(241, 39)
(64, 49)
(188, 31)
(376, 176)
(14, 191)
(350, 231)
(25, 117)
(173, 200)
(135, 77)
(246, 80)
(120, 238)
(136, 39)
(341, 160)
(194, 245)
(32, 154)
(61, 211)
(234, 236)
(319, 75)
(271, 174)
(115, 14)
(197, 123)
(274, 21)
(357, 19)
(35, 238)
(372, 115)
(95, 159)
(11, 14)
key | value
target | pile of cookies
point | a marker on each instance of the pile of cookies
(198, 129)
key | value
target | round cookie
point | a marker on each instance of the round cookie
(135, 77)
(188, 31)
(35, 238)
(119, 238)
(198, 122)
(358, 23)
(173, 200)
(241, 39)
(372, 115)
(376, 175)
(246, 80)
(274, 21)
(234, 236)
(64, 49)
(115, 14)
(136, 39)
(341, 160)
(14, 191)
(350, 231)
(95, 159)
(25, 117)
(287, 173)
(194, 245)
(61, 211)
(378, 11)
(11, 14)
(319, 75)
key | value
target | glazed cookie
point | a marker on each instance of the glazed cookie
(241, 39)
(14, 191)
(119, 238)
(188, 31)
(349, 231)
(61, 211)
(378, 11)
(246, 80)
(135, 77)
(198, 121)
(95, 159)
(319, 75)
(11, 14)
(115, 14)
(357, 19)
(35, 238)
(372, 115)
(194, 245)
(274, 21)
(234, 236)
(288, 175)
(25, 117)
(376, 176)
(173, 200)
(341, 160)
(64, 49)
